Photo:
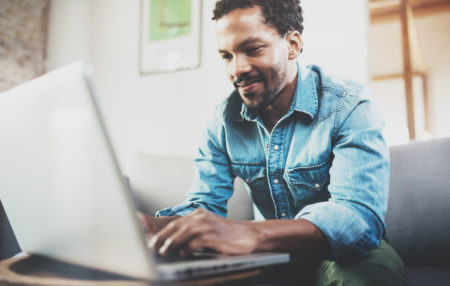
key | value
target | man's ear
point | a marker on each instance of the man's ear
(294, 40)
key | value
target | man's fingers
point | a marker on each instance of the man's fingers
(152, 224)
(159, 238)
(197, 226)
(179, 239)
(201, 241)
(178, 233)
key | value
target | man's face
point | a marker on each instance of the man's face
(256, 56)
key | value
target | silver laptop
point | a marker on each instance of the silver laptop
(62, 189)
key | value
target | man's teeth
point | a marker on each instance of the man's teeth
(246, 84)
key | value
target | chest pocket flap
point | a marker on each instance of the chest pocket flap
(308, 184)
(249, 173)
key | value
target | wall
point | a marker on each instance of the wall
(336, 37)
(23, 39)
(385, 57)
(165, 114)
(69, 32)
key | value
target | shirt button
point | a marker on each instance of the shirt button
(276, 147)
(275, 181)
(247, 180)
(317, 186)
(283, 214)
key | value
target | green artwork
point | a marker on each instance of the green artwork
(169, 19)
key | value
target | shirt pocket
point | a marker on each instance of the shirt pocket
(308, 184)
(253, 174)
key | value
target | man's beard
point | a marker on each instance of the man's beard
(269, 95)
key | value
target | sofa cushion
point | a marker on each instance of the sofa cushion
(418, 217)
(428, 275)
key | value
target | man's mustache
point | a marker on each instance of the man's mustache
(246, 79)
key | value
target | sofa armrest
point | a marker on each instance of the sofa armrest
(417, 220)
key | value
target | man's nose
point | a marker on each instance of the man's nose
(240, 65)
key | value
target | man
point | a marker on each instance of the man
(309, 147)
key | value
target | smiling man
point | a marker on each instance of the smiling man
(310, 148)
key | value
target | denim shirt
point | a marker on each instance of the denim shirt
(325, 161)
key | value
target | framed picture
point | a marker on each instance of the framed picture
(170, 38)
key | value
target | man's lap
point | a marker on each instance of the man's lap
(381, 266)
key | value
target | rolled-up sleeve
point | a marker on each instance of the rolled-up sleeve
(353, 218)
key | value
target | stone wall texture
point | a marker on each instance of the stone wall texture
(23, 39)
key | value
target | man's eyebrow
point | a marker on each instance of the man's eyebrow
(249, 41)
(245, 43)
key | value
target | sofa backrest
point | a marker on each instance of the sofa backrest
(418, 216)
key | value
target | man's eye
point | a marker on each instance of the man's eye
(253, 50)
(226, 57)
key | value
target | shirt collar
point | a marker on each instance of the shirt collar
(305, 98)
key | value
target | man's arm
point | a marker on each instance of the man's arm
(203, 229)
(353, 217)
(212, 185)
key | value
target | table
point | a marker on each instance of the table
(37, 271)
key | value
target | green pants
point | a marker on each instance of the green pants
(382, 266)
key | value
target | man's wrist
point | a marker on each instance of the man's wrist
(290, 235)
(261, 235)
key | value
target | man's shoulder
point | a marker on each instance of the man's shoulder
(335, 85)
(334, 94)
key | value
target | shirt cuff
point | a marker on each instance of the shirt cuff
(181, 210)
(349, 236)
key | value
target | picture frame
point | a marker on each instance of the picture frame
(170, 36)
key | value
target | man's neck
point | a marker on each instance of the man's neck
(281, 105)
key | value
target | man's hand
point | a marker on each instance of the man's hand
(203, 229)
(152, 225)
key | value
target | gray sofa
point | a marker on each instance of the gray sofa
(418, 218)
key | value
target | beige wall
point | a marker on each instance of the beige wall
(166, 113)
(385, 56)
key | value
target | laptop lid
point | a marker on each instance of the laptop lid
(60, 183)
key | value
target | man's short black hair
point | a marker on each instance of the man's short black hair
(284, 15)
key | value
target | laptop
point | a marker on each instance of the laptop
(63, 191)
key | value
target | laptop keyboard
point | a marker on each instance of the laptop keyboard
(200, 255)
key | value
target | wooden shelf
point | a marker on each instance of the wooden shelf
(405, 11)
(389, 10)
